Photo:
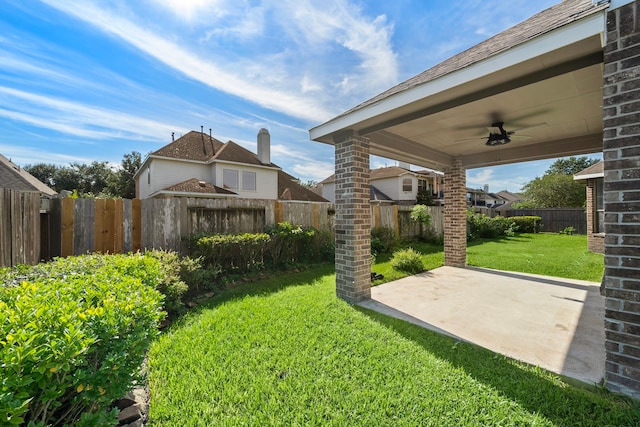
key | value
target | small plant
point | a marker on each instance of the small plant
(568, 231)
(383, 239)
(407, 261)
(420, 214)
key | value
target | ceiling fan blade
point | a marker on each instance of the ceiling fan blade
(537, 125)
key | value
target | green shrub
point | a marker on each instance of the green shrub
(527, 224)
(282, 245)
(73, 334)
(230, 253)
(482, 226)
(383, 240)
(407, 261)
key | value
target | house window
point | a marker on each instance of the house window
(407, 185)
(230, 179)
(599, 205)
(423, 185)
(149, 176)
(249, 181)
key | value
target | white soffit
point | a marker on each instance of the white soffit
(544, 44)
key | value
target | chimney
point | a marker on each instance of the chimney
(264, 146)
(486, 188)
(404, 165)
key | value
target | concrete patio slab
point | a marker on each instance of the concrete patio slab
(551, 322)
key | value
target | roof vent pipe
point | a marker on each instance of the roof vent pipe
(173, 136)
(264, 146)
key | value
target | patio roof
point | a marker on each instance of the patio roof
(542, 78)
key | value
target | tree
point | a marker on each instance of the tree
(554, 191)
(557, 188)
(44, 172)
(124, 185)
(570, 166)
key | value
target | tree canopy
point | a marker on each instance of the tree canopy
(557, 188)
(93, 179)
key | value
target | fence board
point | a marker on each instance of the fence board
(5, 228)
(136, 225)
(127, 235)
(66, 244)
(556, 220)
(83, 225)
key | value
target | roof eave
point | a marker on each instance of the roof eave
(564, 36)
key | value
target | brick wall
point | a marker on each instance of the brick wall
(353, 219)
(621, 154)
(595, 239)
(455, 215)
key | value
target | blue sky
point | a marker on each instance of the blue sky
(93, 80)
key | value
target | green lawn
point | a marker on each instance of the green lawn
(546, 253)
(286, 351)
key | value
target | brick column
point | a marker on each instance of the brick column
(353, 218)
(621, 153)
(455, 215)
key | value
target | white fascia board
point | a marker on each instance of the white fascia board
(564, 36)
(588, 176)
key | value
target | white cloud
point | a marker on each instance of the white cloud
(313, 170)
(77, 119)
(26, 155)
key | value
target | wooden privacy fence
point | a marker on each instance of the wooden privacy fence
(19, 227)
(79, 226)
(556, 220)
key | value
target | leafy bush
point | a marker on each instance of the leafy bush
(282, 245)
(407, 261)
(383, 240)
(482, 226)
(73, 334)
(527, 224)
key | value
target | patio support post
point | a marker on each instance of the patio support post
(353, 218)
(455, 215)
(621, 152)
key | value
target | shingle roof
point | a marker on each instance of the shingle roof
(289, 189)
(562, 14)
(192, 146)
(233, 152)
(201, 147)
(379, 173)
(376, 194)
(595, 170)
(15, 178)
(195, 185)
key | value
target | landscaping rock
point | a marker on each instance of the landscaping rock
(129, 414)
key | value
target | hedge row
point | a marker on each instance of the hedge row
(282, 245)
(73, 333)
(482, 226)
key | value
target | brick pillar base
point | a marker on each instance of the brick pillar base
(353, 219)
(622, 198)
(455, 215)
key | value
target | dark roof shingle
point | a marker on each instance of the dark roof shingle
(15, 178)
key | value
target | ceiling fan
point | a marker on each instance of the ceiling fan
(498, 135)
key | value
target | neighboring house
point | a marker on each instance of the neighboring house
(510, 198)
(593, 177)
(395, 184)
(198, 165)
(483, 198)
(14, 177)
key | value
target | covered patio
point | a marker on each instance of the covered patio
(545, 321)
(564, 82)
